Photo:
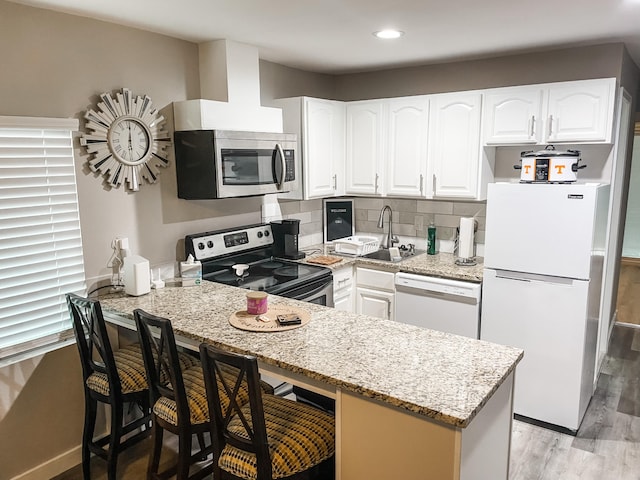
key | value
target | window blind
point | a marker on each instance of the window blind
(40, 243)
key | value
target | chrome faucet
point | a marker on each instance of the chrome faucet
(390, 239)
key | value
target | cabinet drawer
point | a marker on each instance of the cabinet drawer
(342, 279)
(380, 279)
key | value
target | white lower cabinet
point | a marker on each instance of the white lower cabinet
(375, 293)
(375, 303)
(343, 291)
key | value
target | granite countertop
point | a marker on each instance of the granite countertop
(440, 265)
(441, 376)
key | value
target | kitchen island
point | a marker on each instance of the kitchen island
(410, 403)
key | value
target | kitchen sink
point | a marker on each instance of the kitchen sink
(384, 255)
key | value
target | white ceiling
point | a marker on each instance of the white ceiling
(335, 36)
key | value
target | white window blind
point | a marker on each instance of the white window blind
(40, 243)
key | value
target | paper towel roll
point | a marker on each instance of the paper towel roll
(465, 240)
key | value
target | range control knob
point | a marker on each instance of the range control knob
(201, 246)
(259, 234)
(266, 233)
(210, 244)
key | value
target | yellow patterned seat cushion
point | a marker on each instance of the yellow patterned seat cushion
(130, 368)
(299, 438)
(193, 379)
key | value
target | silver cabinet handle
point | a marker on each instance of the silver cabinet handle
(335, 182)
(435, 184)
(421, 182)
(550, 125)
(532, 129)
(376, 185)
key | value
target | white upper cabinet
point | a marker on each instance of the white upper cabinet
(324, 148)
(581, 111)
(406, 152)
(365, 146)
(454, 157)
(572, 112)
(513, 115)
(320, 127)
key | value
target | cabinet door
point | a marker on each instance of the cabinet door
(364, 148)
(454, 145)
(407, 127)
(375, 303)
(323, 148)
(343, 303)
(513, 116)
(581, 111)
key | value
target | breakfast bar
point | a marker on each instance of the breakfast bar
(411, 403)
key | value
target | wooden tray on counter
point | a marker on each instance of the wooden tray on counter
(249, 322)
(324, 260)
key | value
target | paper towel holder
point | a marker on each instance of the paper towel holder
(465, 261)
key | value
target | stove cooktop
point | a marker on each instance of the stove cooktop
(272, 275)
(218, 251)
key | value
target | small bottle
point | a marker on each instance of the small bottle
(431, 239)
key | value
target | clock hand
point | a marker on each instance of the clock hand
(129, 142)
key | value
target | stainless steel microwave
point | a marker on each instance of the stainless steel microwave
(225, 163)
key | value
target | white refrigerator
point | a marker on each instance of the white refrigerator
(544, 257)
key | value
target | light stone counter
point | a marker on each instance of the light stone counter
(436, 375)
(440, 265)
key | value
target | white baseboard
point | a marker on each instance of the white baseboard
(54, 466)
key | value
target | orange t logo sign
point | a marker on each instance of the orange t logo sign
(560, 168)
(526, 168)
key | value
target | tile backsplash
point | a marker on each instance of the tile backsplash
(410, 219)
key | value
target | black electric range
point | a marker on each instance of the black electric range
(251, 246)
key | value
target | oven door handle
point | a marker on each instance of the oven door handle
(283, 166)
(312, 293)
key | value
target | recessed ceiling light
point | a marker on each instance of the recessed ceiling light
(387, 34)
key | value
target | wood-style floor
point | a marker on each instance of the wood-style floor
(628, 302)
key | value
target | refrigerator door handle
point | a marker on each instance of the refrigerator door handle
(506, 276)
(533, 277)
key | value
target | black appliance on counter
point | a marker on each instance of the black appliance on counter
(254, 246)
(285, 239)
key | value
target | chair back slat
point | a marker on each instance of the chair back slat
(161, 361)
(92, 339)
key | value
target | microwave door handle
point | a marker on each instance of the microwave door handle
(280, 153)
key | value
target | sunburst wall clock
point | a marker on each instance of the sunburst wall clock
(127, 141)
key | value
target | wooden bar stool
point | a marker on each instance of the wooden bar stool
(112, 377)
(178, 399)
(269, 437)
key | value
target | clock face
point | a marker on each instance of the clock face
(127, 141)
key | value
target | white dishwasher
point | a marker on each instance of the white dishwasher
(440, 304)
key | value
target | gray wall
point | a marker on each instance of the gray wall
(631, 245)
(540, 67)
